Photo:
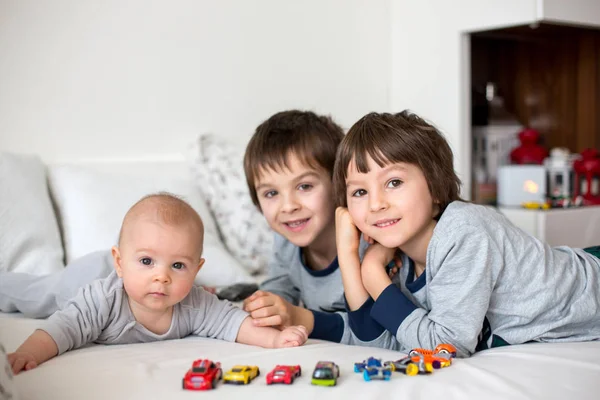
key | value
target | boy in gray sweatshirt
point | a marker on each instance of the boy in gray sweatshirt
(150, 296)
(470, 277)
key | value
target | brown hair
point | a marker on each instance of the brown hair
(394, 138)
(312, 138)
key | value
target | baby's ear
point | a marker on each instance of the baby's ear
(117, 260)
(200, 264)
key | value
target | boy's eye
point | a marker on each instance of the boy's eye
(270, 194)
(178, 265)
(394, 183)
(146, 261)
(359, 193)
(305, 186)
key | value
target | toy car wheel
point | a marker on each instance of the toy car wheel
(299, 371)
(183, 383)
(436, 364)
(386, 377)
(366, 375)
(411, 370)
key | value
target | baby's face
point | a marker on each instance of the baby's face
(158, 263)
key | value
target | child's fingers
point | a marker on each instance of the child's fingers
(263, 300)
(264, 312)
(301, 329)
(274, 320)
(30, 365)
(291, 343)
(18, 364)
(254, 296)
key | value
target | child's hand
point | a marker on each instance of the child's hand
(291, 336)
(347, 236)
(20, 361)
(377, 254)
(268, 309)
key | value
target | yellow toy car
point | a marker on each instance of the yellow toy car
(534, 205)
(241, 374)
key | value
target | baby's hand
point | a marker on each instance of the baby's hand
(20, 361)
(291, 336)
(268, 309)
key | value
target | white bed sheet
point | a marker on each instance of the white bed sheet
(155, 370)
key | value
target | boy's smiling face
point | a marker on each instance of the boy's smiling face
(297, 202)
(392, 204)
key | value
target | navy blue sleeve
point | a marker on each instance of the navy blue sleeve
(362, 324)
(391, 308)
(327, 326)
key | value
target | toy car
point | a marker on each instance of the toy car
(242, 374)
(409, 367)
(203, 375)
(441, 357)
(284, 374)
(378, 372)
(534, 205)
(325, 374)
(369, 362)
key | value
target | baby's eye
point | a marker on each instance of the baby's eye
(178, 265)
(394, 183)
(270, 194)
(146, 261)
(305, 186)
(359, 193)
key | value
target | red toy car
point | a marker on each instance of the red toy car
(203, 375)
(284, 374)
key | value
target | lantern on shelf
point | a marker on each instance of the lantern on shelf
(587, 177)
(529, 152)
(559, 167)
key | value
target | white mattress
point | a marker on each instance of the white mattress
(155, 370)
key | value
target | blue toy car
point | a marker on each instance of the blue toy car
(381, 373)
(369, 362)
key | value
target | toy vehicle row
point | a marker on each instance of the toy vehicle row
(205, 374)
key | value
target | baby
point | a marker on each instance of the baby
(151, 294)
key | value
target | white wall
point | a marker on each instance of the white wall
(430, 61)
(141, 78)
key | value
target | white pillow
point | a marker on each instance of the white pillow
(218, 168)
(91, 206)
(29, 236)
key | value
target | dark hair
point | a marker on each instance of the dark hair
(394, 138)
(310, 137)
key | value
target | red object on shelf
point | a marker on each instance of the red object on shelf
(529, 152)
(587, 173)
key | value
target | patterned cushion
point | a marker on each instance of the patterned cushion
(219, 173)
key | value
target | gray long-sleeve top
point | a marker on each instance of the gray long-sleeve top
(484, 273)
(100, 313)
